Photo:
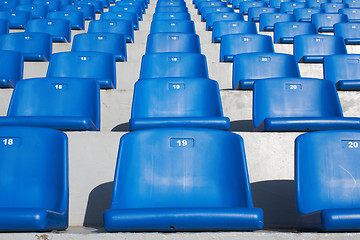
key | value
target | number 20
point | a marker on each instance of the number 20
(353, 145)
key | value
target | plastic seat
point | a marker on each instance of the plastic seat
(54, 5)
(59, 103)
(128, 8)
(173, 42)
(139, 4)
(353, 14)
(178, 26)
(316, 3)
(312, 48)
(329, 199)
(267, 20)
(87, 10)
(288, 7)
(164, 194)
(124, 27)
(129, 16)
(277, 3)
(33, 46)
(343, 70)
(348, 31)
(34, 184)
(249, 67)
(11, 68)
(215, 17)
(222, 28)
(304, 14)
(177, 102)
(6, 5)
(77, 19)
(324, 22)
(158, 65)
(332, 7)
(233, 44)
(17, 19)
(65, 3)
(59, 29)
(244, 6)
(4, 26)
(113, 43)
(207, 3)
(171, 16)
(98, 5)
(352, 3)
(36, 11)
(298, 104)
(23, 2)
(171, 9)
(254, 12)
(206, 10)
(236, 3)
(210, 4)
(87, 65)
(171, 4)
(284, 32)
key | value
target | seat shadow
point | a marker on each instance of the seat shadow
(124, 127)
(242, 126)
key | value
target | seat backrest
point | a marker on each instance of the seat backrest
(324, 22)
(4, 26)
(244, 6)
(222, 28)
(304, 14)
(36, 10)
(277, 3)
(181, 159)
(206, 10)
(11, 68)
(59, 29)
(6, 5)
(288, 7)
(267, 20)
(294, 97)
(98, 5)
(342, 67)
(130, 16)
(254, 12)
(316, 3)
(124, 27)
(87, 10)
(76, 18)
(171, 9)
(203, 4)
(17, 19)
(157, 65)
(171, 4)
(333, 7)
(348, 31)
(54, 5)
(171, 16)
(327, 170)
(284, 32)
(219, 16)
(172, 26)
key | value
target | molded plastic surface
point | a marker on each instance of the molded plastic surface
(350, 32)
(124, 27)
(288, 7)
(77, 19)
(156, 65)
(173, 42)
(204, 4)
(324, 22)
(87, 10)
(329, 199)
(183, 179)
(233, 44)
(353, 14)
(333, 7)
(277, 3)
(298, 104)
(171, 4)
(249, 67)
(98, 5)
(206, 10)
(172, 26)
(138, 4)
(168, 9)
(254, 12)
(36, 11)
(6, 5)
(113, 43)
(59, 29)
(34, 183)
(313, 47)
(33, 46)
(17, 19)
(11, 68)
(343, 70)
(177, 102)
(222, 28)
(4, 26)
(54, 5)
(351, 3)
(304, 14)
(128, 8)
(59, 103)
(130, 16)
(214, 17)
(267, 20)
(244, 6)
(171, 16)
(316, 3)
(88, 65)
(284, 32)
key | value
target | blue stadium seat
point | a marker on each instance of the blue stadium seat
(165, 195)
(59, 103)
(304, 14)
(33, 46)
(124, 27)
(215, 17)
(277, 3)
(222, 28)
(17, 19)
(171, 9)
(173, 42)
(244, 6)
(59, 29)
(157, 65)
(36, 11)
(4, 26)
(77, 19)
(6, 5)
(98, 5)
(171, 4)
(312, 48)
(352, 3)
(233, 44)
(254, 12)
(353, 14)
(215, 3)
(324, 22)
(87, 65)
(288, 7)
(316, 3)
(11, 68)
(172, 26)
(329, 199)
(23, 2)
(249, 67)
(138, 4)
(128, 8)
(332, 7)
(54, 5)
(343, 70)
(206, 10)
(284, 32)
(130, 16)
(177, 102)
(66, 2)
(171, 16)
(298, 104)
(87, 10)
(34, 183)
(113, 43)
(267, 20)
(348, 31)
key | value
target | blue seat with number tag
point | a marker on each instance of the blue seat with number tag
(124, 27)
(248, 67)
(34, 179)
(244, 6)
(316, 3)
(304, 14)
(268, 20)
(128, 8)
(219, 16)
(284, 32)
(54, 5)
(222, 28)
(324, 22)
(174, 102)
(171, 16)
(333, 7)
(288, 7)
(181, 179)
(206, 10)
(98, 5)
(254, 12)
(349, 32)
(11, 68)
(36, 11)
(172, 26)
(77, 19)
(87, 65)
(326, 176)
(6, 5)
(353, 14)
(59, 103)
(298, 104)
(169, 64)
(59, 29)
(17, 19)
(87, 10)
(214, 3)
(130, 16)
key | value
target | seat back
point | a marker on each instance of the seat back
(206, 10)
(348, 31)
(172, 26)
(254, 12)
(333, 7)
(128, 8)
(76, 18)
(130, 16)
(171, 16)
(284, 32)
(288, 7)
(11, 68)
(316, 3)
(218, 16)
(59, 29)
(8, 5)
(17, 19)
(324, 22)
(171, 4)
(340, 67)
(244, 6)
(124, 27)
(98, 5)
(204, 4)
(4, 26)
(277, 3)
(267, 20)
(54, 5)
(222, 28)
(87, 10)
(36, 11)
(304, 14)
